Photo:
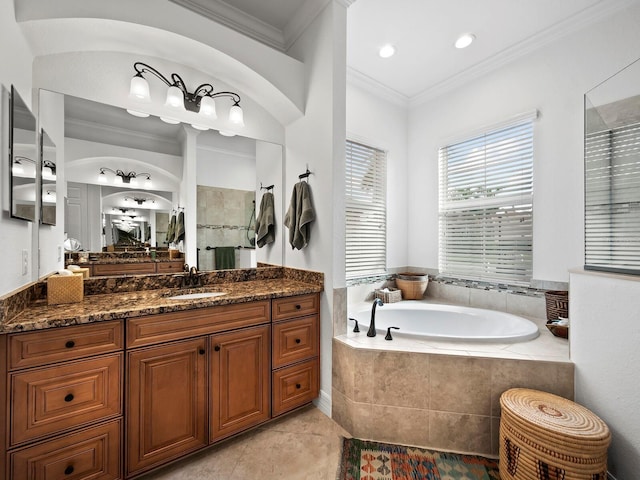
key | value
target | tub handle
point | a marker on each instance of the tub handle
(356, 329)
(388, 335)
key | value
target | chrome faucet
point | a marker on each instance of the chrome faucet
(372, 323)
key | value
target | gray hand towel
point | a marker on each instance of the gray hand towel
(225, 258)
(179, 228)
(265, 223)
(300, 215)
(171, 230)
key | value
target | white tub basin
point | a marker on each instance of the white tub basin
(192, 296)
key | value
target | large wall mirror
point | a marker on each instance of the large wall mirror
(23, 161)
(124, 177)
(612, 173)
(48, 179)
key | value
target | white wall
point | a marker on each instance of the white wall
(382, 124)
(604, 336)
(15, 235)
(553, 80)
(227, 166)
(317, 142)
(270, 171)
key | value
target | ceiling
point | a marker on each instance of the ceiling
(423, 32)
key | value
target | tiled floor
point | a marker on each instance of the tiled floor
(304, 445)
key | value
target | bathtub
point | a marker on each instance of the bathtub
(447, 322)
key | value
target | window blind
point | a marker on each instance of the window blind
(486, 206)
(366, 211)
(612, 199)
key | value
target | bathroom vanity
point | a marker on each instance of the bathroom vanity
(137, 387)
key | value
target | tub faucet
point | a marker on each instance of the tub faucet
(372, 323)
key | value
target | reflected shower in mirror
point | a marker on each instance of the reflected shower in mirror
(612, 173)
(48, 179)
(22, 159)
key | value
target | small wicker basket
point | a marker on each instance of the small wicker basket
(65, 289)
(392, 296)
(557, 304)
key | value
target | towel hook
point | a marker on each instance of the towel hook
(305, 175)
(270, 187)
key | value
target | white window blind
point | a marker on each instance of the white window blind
(366, 211)
(486, 206)
(612, 200)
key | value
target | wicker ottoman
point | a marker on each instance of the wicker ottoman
(546, 437)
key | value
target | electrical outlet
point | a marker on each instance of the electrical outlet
(25, 262)
(59, 253)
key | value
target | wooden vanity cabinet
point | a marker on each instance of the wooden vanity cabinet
(64, 403)
(295, 352)
(240, 376)
(166, 402)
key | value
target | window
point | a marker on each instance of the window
(366, 211)
(612, 200)
(486, 206)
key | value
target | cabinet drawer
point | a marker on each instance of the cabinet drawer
(290, 307)
(169, 267)
(123, 268)
(93, 454)
(165, 327)
(49, 400)
(295, 340)
(294, 386)
(66, 343)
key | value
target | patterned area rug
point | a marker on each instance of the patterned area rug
(365, 460)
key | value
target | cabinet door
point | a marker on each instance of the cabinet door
(240, 386)
(166, 400)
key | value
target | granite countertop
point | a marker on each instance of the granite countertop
(113, 261)
(96, 308)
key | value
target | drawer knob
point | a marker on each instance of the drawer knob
(217, 348)
(298, 340)
(298, 307)
(298, 386)
(68, 397)
(202, 351)
(68, 470)
(70, 344)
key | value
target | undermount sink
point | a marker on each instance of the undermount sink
(192, 296)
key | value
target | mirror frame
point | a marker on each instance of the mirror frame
(12, 154)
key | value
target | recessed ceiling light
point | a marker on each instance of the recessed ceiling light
(387, 51)
(465, 40)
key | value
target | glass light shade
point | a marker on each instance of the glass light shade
(208, 107)
(226, 133)
(175, 99)
(102, 177)
(199, 127)
(170, 120)
(17, 169)
(133, 181)
(47, 173)
(236, 116)
(136, 113)
(148, 183)
(139, 89)
(118, 180)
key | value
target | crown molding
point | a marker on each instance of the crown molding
(303, 17)
(234, 18)
(364, 82)
(579, 21)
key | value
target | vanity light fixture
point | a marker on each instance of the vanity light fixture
(465, 40)
(387, 51)
(48, 170)
(179, 99)
(121, 177)
(18, 167)
(49, 197)
(138, 200)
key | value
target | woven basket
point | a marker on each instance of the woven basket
(65, 289)
(412, 285)
(557, 304)
(543, 436)
(392, 296)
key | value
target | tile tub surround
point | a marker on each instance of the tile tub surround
(439, 395)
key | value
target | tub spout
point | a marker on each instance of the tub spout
(372, 323)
